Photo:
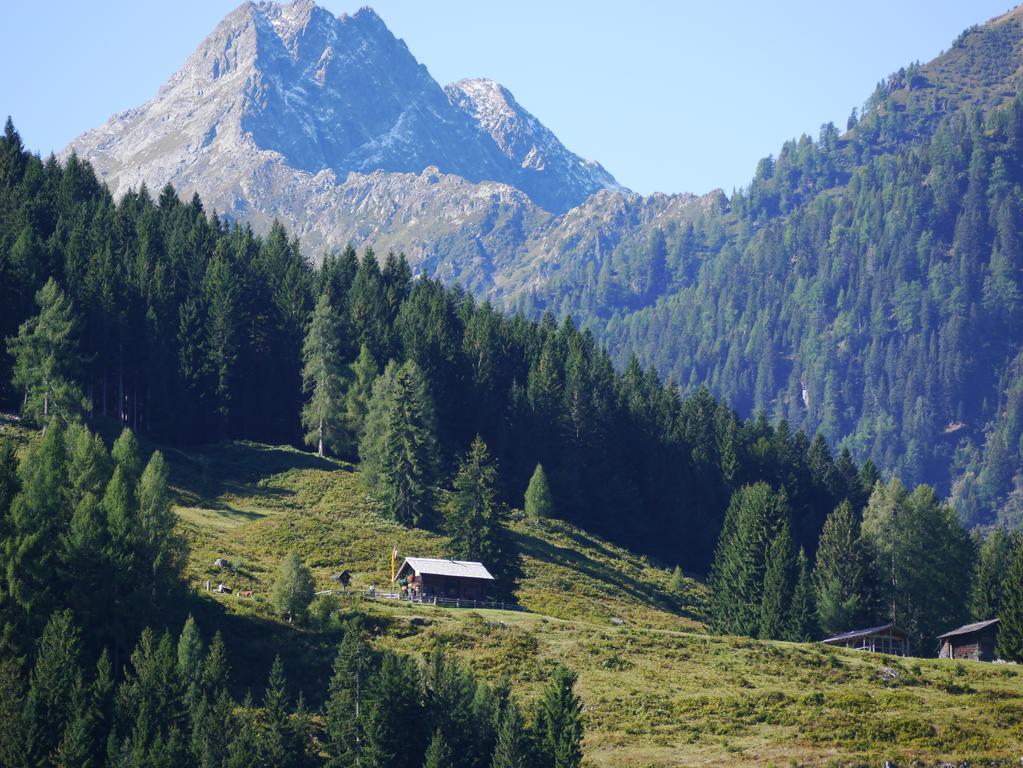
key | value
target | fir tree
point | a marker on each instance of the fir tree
(323, 380)
(677, 582)
(293, 588)
(993, 560)
(33, 550)
(46, 359)
(394, 737)
(754, 517)
(348, 698)
(802, 624)
(840, 574)
(437, 754)
(399, 448)
(278, 745)
(559, 722)
(539, 503)
(512, 749)
(779, 583)
(473, 512)
(1010, 625)
(360, 391)
(55, 682)
(160, 548)
(244, 751)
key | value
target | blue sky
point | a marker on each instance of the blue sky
(671, 96)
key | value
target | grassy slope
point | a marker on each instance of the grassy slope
(657, 692)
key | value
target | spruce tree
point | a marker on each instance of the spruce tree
(55, 681)
(46, 359)
(801, 626)
(399, 448)
(438, 755)
(473, 512)
(127, 454)
(323, 380)
(559, 722)
(840, 577)
(779, 583)
(539, 503)
(348, 699)
(754, 516)
(677, 581)
(394, 735)
(244, 750)
(160, 547)
(995, 554)
(34, 548)
(278, 744)
(363, 372)
(512, 749)
(293, 588)
(1010, 625)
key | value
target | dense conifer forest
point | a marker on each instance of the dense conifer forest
(866, 285)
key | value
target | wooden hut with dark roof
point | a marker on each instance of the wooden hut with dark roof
(427, 577)
(975, 641)
(887, 638)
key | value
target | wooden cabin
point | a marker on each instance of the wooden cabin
(974, 641)
(887, 638)
(423, 578)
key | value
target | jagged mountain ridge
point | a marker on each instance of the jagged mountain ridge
(286, 111)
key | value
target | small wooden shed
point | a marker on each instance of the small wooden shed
(973, 641)
(887, 638)
(425, 577)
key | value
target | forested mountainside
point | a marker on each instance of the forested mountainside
(188, 330)
(866, 285)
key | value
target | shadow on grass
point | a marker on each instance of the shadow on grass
(531, 545)
(203, 475)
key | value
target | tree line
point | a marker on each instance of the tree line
(172, 706)
(896, 557)
(189, 328)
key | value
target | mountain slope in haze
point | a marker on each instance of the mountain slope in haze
(866, 285)
(276, 108)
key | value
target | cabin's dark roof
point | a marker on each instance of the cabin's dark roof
(969, 628)
(890, 628)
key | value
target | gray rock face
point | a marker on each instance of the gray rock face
(293, 85)
(331, 125)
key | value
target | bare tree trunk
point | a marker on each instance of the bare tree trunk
(321, 437)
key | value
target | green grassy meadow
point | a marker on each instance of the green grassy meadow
(658, 691)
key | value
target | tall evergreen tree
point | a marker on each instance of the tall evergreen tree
(802, 621)
(513, 748)
(840, 577)
(46, 359)
(399, 448)
(438, 754)
(994, 556)
(780, 573)
(473, 511)
(558, 729)
(348, 701)
(323, 378)
(754, 517)
(1010, 625)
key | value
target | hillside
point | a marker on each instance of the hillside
(657, 692)
(866, 285)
